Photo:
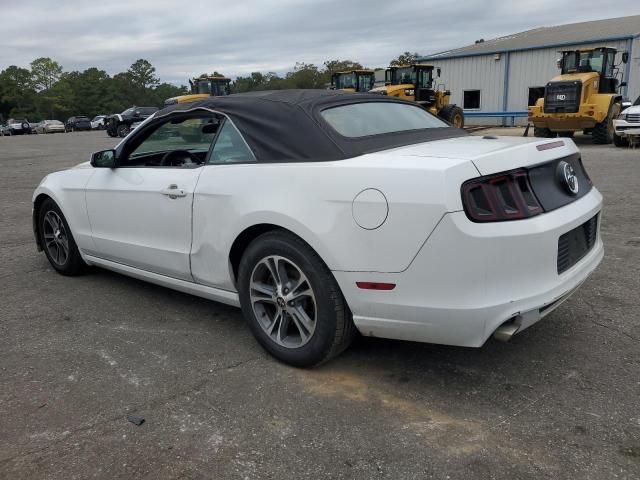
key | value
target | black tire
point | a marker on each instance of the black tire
(604, 131)
(566, 134)
(543, 132)
(73, 263)
(620, 141)
(452, 114)
(334, 328)
(122, 131)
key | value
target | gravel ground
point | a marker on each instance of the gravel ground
(77, 355)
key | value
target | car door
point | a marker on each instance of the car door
(140, 212)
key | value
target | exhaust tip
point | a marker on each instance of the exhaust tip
(505, 331)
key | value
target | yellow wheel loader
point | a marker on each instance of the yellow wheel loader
(353, 81)
(416, 83)
(584, 97)
(203, 87)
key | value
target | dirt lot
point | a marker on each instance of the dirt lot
(77, 355)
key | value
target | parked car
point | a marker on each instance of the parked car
(97, 123)
(121, 124)
(17, 126)
(320, 213)
(51, 126)
(628, 122)
(78, 124)
(33, 126)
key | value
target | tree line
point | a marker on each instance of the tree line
(46, 91)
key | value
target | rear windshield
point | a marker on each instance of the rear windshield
(84, 119)
(377, 118)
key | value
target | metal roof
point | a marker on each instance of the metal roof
(546, 37)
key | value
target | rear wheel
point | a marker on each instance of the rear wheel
(56, 240)
(291, 301)
(604, 131)
(452, 114)
(543, 132)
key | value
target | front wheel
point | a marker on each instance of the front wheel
(604, 132)
(292, 302)
(123, 131)
(57, 242)
(620, 141)
(452, 114)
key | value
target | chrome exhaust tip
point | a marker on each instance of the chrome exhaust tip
(505, 331)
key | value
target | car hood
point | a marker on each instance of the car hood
(492, 154)
(82, 165)
(632, 109)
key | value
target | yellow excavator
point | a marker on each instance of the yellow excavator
(353, 80)
(203, 87)
(584, 97)
(416, 83)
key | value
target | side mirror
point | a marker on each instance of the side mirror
(625, 57)
(438, 71)
(104, 159)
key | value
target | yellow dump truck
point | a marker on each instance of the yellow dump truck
(584, 97)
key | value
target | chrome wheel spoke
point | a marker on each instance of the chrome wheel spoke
(283, 328)
(277, 320)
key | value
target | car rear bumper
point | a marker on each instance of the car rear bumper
(470, 278)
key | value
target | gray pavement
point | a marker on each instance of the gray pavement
(77, 355)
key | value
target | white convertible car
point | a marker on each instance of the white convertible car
(322, 213)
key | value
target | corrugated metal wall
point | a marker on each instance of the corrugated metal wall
(475, 73)
(530, 68)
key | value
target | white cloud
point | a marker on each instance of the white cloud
(185, 38)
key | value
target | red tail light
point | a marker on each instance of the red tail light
(496, 198)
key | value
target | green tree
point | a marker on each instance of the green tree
(333, 66)
(305, 75)
(45, 72)
(16, 92)
(406, 58)
(143, 75)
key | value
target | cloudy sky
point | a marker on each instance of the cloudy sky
(188, 37)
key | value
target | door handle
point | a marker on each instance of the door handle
(173, 192)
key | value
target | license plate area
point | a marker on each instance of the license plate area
(576, 243)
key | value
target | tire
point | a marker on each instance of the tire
(122, 130)
(331, 329)
(543, 132)
(566, 134)
(452, 114)
(620, 141)
(604, 131)
(67, 262)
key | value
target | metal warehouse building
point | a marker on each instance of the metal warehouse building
(507, 73)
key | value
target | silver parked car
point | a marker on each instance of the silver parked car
(50, 126)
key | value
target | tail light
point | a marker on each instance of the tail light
(500, 197)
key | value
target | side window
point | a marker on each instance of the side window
(230, 147)
(471, 99)
(179, 141)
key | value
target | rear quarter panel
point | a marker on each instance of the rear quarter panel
(314, 201)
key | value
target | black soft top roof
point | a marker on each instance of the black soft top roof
(285, 125)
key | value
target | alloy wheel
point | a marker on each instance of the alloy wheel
(55, 238)
(283, 301)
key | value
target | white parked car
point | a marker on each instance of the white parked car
(97, 123)
(321, 213)
(627, 123)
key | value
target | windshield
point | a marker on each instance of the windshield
(220, 88)
(99, 117)
(128, 111)
(590, 61)
(377, 118)
(365, 82)
(345, 80)
(404, 75)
